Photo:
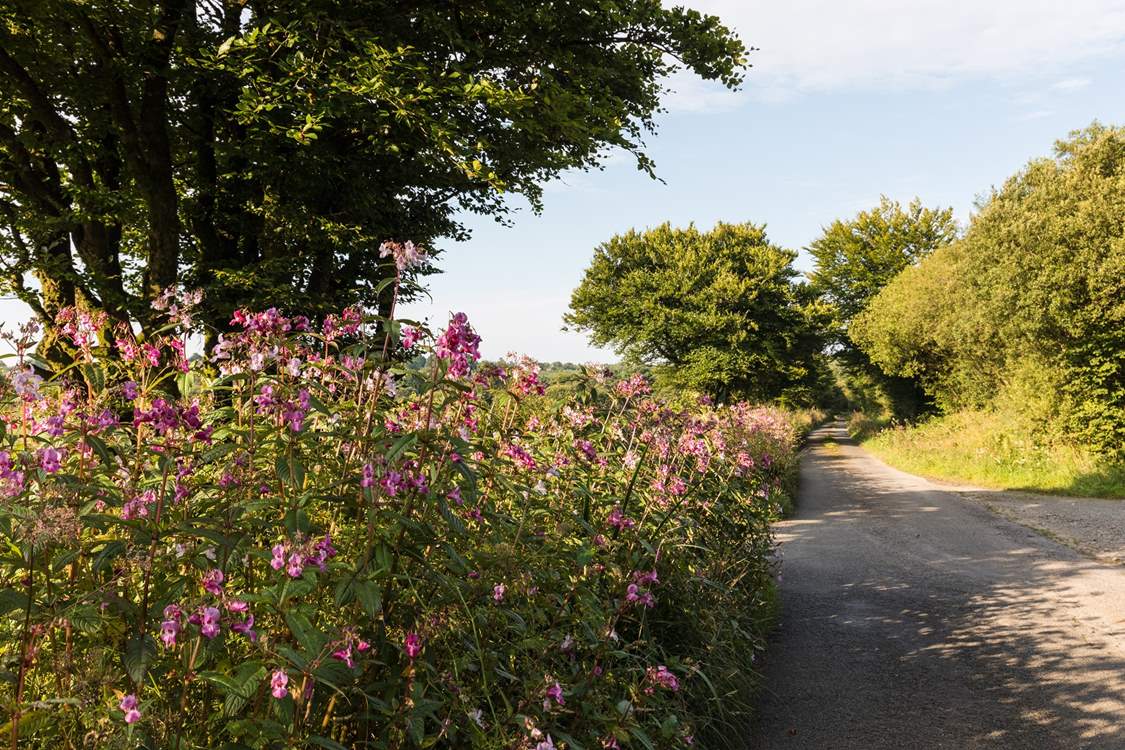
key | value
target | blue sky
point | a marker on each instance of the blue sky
(847, 100)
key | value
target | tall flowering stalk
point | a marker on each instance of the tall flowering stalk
(315, 542)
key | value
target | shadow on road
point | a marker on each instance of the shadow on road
(913, 619)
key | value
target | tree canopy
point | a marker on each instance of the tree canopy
(263, 149)
(1029, 307)
(855, 258)
(716, 312)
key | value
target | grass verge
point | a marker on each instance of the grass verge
(984, 448)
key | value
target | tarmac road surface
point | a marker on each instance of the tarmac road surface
(912, 618)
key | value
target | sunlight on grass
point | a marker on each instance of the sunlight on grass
(983, 448)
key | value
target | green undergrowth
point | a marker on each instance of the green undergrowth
(990, 449)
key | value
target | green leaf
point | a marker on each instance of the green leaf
(369, 596)
(139, 653)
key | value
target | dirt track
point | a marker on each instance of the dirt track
(915, 618)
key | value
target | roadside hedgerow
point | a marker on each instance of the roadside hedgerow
(304, 541)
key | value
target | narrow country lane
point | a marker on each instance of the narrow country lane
(914, 619)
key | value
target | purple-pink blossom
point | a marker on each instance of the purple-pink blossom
(412, 645)
(278, 560)
(459, 345)
(129, 706)
(278, 684)
(209, 622)
(213, 582)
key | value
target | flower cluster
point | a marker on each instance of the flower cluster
(459, 345)
(440, 553)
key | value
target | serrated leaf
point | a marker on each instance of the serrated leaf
(369, 596)
(139, 653)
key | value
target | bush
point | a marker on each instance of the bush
(1029, 306)
(317, 545)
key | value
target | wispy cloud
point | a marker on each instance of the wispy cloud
(829, 44)
(1070, 84)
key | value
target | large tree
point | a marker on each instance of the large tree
(716, 312)
(1027, 310)
(263, 149)
(856, 258)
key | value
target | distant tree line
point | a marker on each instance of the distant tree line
(904, 314)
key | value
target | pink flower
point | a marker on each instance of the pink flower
(554, 693)
(169, 629)
(635, 595)
(368, 479)
(278, 683)
(619, 521)
(246, 628)
(459, 345)
(50, 460)
(406, 254)
(661, 676)
(296, 566)
(210, 622)
(278, 561)
(410, 336)
(213, 582)
(392, 482)
(129, 706)
(412, 645)
(498, 592)
(345, 655)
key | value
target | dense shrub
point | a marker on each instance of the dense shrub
(315, 546)
(1027, 311)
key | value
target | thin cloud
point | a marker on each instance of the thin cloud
(828, 44)
(1070, 84)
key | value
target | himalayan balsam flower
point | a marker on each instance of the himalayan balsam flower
(278, 684)
(406, 254)
(210, 622)
(246, 628)
(554, 693)
(662, 677)
(635, 595)
(458, 344)
(498, 592)
(619, 521)
(278, 561)
(345, 655)
(368, 479)
(412, 645)
(50, 460)
(169, 629)
(129, 706)
(296, 566)
(213, 582)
